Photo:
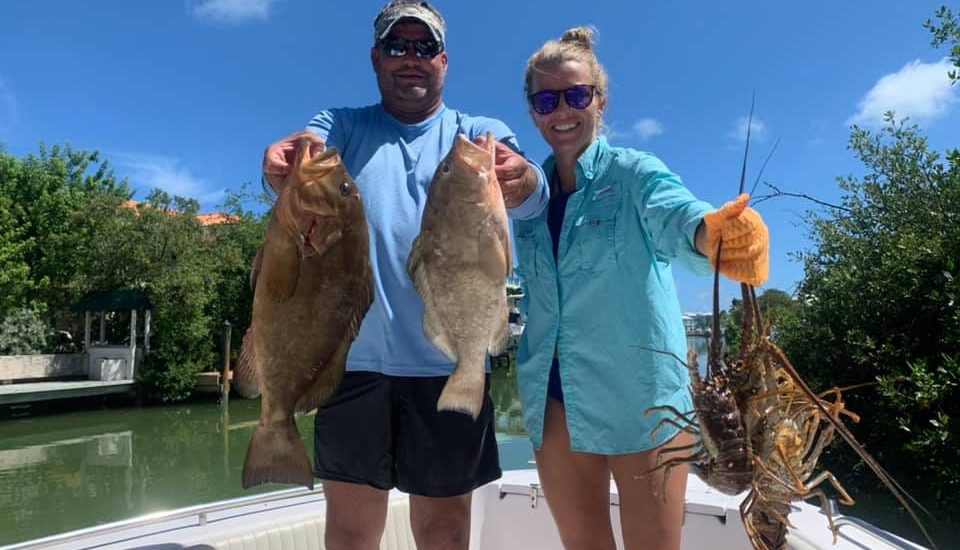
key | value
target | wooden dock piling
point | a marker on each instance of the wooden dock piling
(225, 369)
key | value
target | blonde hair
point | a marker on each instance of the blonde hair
(575, 45)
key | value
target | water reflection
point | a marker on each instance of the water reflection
(74, 470)
(699, 344)
(506, 402)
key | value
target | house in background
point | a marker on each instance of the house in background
(697, 324)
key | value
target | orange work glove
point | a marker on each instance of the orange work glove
(745, 254)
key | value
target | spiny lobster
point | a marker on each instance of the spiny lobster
(761, 428)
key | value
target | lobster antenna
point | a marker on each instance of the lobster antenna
(763, 166)
(746, 148)
(716, 343)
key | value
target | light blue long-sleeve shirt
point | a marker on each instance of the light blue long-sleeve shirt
(393, 164)
(608, 300)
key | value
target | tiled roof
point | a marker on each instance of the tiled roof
(213, 218)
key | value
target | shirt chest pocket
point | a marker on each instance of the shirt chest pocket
(596, 236)
(525, 239)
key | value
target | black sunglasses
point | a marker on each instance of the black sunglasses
(545, 102)
(394, 46)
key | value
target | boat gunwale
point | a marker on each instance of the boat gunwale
(201, 511)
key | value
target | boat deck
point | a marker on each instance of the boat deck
(510, 514)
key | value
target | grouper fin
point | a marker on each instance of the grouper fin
(325, 383)
(277, 455)
(463, 391)
(493, 253)
(432, 328)
(328, 376)
(501, 332)
(415, 269)
(245, 377)
(280, 266)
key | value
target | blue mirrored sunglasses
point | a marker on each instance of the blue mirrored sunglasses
(545, 102)
(394, 46)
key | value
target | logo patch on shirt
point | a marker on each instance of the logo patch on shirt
(605, 195)
(602, 192)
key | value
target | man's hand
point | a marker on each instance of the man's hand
(280, 156)
(745, 255)
(517, 179)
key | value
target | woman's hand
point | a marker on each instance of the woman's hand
(745, 254)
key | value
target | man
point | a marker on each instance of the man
(382, 429)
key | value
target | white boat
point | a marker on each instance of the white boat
(508, 514)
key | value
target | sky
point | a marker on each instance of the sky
(186, 94)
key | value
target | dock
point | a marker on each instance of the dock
(210, 382)
(32, 392)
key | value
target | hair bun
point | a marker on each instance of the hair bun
(581, 36)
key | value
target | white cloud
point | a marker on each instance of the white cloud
(758, 130)
(232, 12)
(8, 109)
(647, 128)
(611, 131)
(147, 172)
(920, 91)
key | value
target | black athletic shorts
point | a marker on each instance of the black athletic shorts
(385, 432)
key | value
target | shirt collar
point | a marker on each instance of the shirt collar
(591, 163)
(417, 127)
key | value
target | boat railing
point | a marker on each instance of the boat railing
(874, 531)
(202, 513)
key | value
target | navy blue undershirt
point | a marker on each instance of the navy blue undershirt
(557, 208)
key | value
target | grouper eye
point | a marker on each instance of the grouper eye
(345, 188)
(445, 168)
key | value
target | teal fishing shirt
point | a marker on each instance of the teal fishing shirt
(608, 301)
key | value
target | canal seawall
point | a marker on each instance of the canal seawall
(19, 368)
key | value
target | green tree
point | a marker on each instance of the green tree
(159, 246)
(881, 301)
(881, 298)
(196, 277)
(14, 269)
(22, 331)
(234, 246)
(946, 30)
(67, 227)
(39, 197)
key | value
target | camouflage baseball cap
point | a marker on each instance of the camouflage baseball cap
(421, 12)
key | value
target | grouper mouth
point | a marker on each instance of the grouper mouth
(304, 203)
(479, 159)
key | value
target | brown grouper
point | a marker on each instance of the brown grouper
(459, 264)
(313, 284)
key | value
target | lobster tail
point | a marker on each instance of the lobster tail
(770, 533)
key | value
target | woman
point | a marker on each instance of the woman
(601, 300)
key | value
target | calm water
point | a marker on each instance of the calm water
(77, 469)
